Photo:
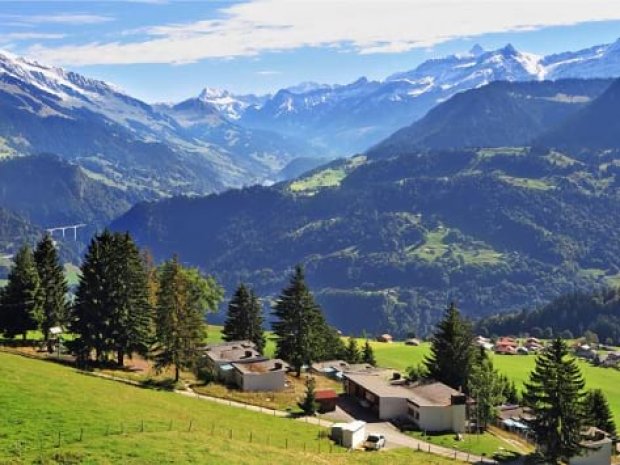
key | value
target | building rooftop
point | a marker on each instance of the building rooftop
(235, 351)
(339, 365)
(260, 367)
(433, 394)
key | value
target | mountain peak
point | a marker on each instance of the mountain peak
(213, 92)
(508, 50)
(476, 50)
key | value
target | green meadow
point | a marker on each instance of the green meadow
(51, 414)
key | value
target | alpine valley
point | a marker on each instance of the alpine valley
(489, 177)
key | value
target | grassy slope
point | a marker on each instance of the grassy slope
(517, 368)
(39, 399)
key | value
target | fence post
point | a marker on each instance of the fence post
(142, 426)
(250, 436)
(81, 434)
(230, 434)
(286, 443)
(58, 445)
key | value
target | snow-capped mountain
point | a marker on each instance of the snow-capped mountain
(229, 105)
(344, 119)
(124, 141)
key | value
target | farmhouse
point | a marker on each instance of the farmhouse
(267, 375)
(220, 357)
(431, 406)
(385, 338)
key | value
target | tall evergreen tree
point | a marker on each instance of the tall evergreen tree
(21, 299)
(368, 355)
(330, 346)
(555, 394)
(92, 309)
(597, 412)
(244, 320)
(184, 298)
(130, 319)
(452, 350)
(352, 353)
(486, 388)
(112, 311)
(54, 288)
(299, 327)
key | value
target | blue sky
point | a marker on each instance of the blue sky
(167, 51)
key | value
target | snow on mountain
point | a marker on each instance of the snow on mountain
(229, 105)
(343, 119)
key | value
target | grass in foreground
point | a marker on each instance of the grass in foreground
(44, 405)
(486, 445)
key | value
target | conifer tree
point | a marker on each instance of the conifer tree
(597, 412)
(184, 298)
(452, 350)
(555, 394)
(131, 313)
(486, 388)
(353, 354)
(330, 346)
(244, 320)
(112, 311)
(368, 355)
(54, 288)
(92, 309)
(299, 326)
(20, 300)
(309, 404)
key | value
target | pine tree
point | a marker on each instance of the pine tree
(486, 388)
(353, 354)
(131, 311)
(452, 350)
(555, 394)
(244, 320)
(331, 346)
(597, 412)
(184, 298)
(309, 404)
(300, 328)
(368, 355)
(21, 298)
(54, 288)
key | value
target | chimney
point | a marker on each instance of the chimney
(395, 376)
(248, 353)
(277, 366)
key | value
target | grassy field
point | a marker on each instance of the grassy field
(486, 445)
(53, 414)
(518, 368)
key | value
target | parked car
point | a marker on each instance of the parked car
(375, 442)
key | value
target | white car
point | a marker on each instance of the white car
(375, 442)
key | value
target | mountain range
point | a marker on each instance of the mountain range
(388, 238)
(346, 119)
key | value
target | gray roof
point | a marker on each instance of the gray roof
(433, 394)
(236, 351)
(257, 368)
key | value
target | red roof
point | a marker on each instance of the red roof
(326, 394)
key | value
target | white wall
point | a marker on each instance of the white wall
(392, 407)
(268, 381)
(448, 418)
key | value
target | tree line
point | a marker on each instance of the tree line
(555, 391)
(125, 305)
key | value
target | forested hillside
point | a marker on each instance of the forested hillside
(386, 243)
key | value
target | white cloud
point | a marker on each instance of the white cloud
(268, 72)
(31, 36)
(362, 26)
(73, 19)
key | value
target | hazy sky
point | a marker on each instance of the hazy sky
(168, 50)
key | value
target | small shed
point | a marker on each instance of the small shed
(385, 338)
(349, 435)
(327, 399)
